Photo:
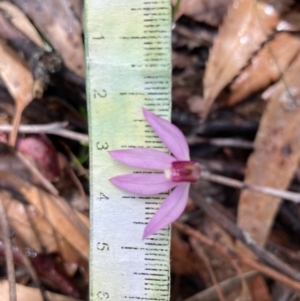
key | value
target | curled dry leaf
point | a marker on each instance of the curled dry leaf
(54, 209)
(25, 293)
(265, 67)
(56, 20)
(210, 12)
(20, 21)
(274, 161)
(247, 25)
(36, 232)
(18, 79)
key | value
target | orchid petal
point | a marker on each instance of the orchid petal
(143, 158)
(144, 184)
(169, 211)
(169, 134)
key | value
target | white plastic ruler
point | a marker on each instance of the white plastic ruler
(128, 51)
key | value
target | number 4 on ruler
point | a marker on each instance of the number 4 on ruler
(102, 196)
(102, 295)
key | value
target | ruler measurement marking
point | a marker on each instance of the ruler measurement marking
(153, 58)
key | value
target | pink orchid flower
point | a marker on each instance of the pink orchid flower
(177, 171)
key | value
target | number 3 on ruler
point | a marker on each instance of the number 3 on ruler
(102, 295)
(102, 246)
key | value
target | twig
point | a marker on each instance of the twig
(243, 236)
(269, 272)
(55, 128)
(211, 272)
(47, 184)
(9, 254)
(204, 38)
(287, 195)
(34, 128)
(71, 135)
(29, 266)
(223, 142)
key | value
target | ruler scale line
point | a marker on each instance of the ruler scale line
(128, 57)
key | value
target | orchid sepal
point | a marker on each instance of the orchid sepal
(177, 171)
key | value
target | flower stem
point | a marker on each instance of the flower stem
(287, 195)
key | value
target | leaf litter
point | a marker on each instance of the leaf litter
(236, 63)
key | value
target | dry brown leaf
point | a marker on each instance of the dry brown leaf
(56, 20)
(77, 6)
(54, 210)
(265, 67)
(20, 21)
(259, 289)
(245, 28)
(36, 232)
(210, 12)
(275, 158)
(18, 79)
(183, 261)
(25, 293)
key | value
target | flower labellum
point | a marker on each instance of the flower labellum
(177, 171)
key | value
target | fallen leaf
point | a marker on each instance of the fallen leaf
(247, 25)
(183, 261)
(18, 79)
(20, 21)
(36, 232)
(207, 11)
(25, 293)
(265, 67)
(77, 7)
(61, 217)
(57, 22)
(274, 161)
(259, 289)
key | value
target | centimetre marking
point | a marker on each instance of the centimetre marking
(154, 43)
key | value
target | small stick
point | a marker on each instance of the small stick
(269, 272)
(9, 254)
(227, 286)
(232, 229)
(287, 195)
(55, 128)
(223, 142)
(47, 184)
(201, 254)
